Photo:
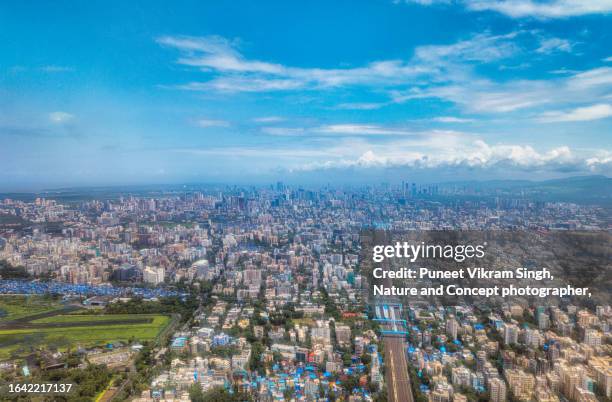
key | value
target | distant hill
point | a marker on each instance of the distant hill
(580, 189)
(596, 189)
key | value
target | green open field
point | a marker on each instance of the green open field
(71, 331)
(101, 318)
(18, 307)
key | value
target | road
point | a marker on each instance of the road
(398, 381)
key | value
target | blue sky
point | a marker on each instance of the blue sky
(96, 93)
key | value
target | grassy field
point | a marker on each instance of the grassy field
(304, 321)
(17, 307)
(102, 318)
(69, 330)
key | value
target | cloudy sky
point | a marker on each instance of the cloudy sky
(251, 92)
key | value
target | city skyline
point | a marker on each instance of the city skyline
(128, 94)
(271, 294)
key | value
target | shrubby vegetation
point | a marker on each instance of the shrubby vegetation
(7, 271)
(217, 394)
(87, 383)
(166, 305)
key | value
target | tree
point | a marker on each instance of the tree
(87, 381)
(346, 358)
(196, 394)
(350, 383)
(220, 394)
(255, 362)
(289, 394)
(7, 271)
(382, 395)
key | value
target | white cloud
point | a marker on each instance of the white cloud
(361, 106)
(345, 129)
(446, 72)
(551, 45)
(269, 119)
(546, 9)
(362, 129)
(451, 119)
(233, 72)
(432, 149)
(283, 131)
(239, 74)
(593, 112)
(435, 71)
(608, 59)
(475, 154)
(542, 9)
(217, 53)
(592, 78)
(485, 96)
(355, 130)
(205, 123)
(242, 84)
(60, 117)
(600, 160)
(520, 66)
(563, 71)
(429, 2)
(439, 149)
(479, 48)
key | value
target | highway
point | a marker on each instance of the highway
(397, 379)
